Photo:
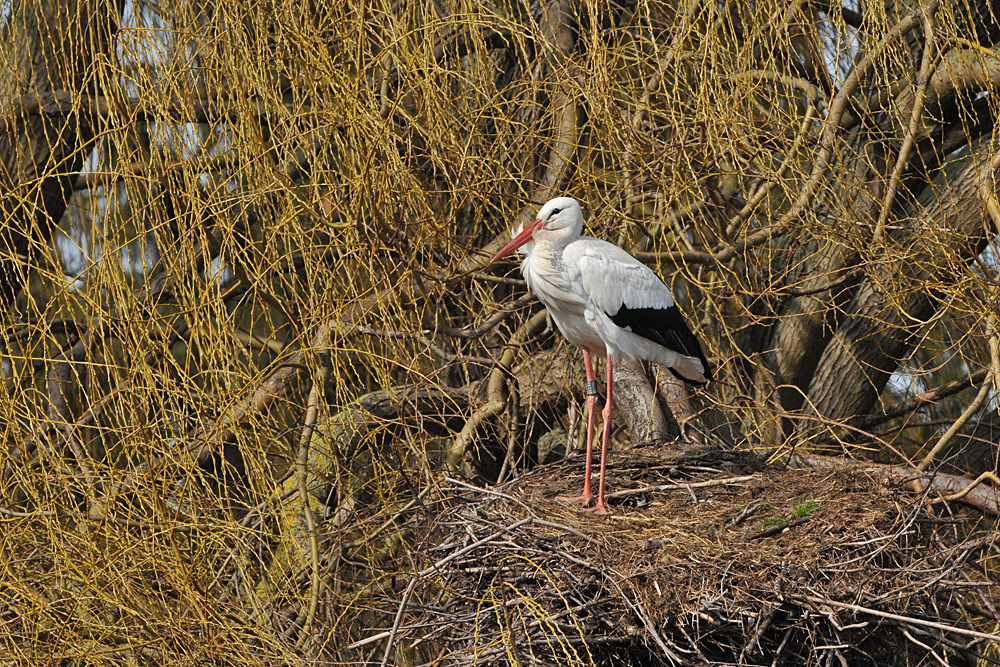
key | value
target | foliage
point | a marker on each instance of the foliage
(248, 319)
(805, 509)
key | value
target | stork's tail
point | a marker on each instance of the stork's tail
(691, 369)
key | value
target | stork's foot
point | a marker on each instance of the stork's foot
(600, 509)
(584, 498)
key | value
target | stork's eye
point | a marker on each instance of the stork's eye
(556, 211)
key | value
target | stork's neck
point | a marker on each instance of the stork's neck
(552, 242)
(546, 262)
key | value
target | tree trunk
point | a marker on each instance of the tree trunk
(893, 304)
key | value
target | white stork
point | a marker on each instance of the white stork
(607, 302)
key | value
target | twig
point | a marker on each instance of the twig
(988, 383)
(475, 545)
(903, 619)
(923, 78)
(369, 640)
(812, 95)
(398, 620)
(573, 531)
(906, 633)
(774, 530)
(781, 646)
(681, 485)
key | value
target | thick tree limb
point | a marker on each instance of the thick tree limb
(877, 333)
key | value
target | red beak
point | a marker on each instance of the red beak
(526, 234)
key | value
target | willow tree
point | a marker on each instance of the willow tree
(247, 307)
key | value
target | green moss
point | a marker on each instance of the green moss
(805, 509)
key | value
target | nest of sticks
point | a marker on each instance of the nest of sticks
(707, 557)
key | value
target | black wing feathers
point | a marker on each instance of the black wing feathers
(665, 326)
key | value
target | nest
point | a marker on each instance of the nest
(707, 557)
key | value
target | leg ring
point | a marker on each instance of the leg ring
(591, 387)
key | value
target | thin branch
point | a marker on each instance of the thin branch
(836, 111)
(489, 324)
(927, 398)
(833, 284)
(957, 425)
(912, 620)
(302, 476)
(923, 78)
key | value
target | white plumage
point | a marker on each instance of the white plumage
(605, 301)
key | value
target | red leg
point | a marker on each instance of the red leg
(585, 497)
(600, 507)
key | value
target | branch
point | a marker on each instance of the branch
(951, 487)
(65, 103)
(488, 325)
(920, 400)
(286, 376)
(808, 291)
(923, 76)
(836, 112)
(302, 474)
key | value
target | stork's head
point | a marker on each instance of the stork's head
(559, 220)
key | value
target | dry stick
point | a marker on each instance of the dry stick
(690, 485)
(301, 473)
(902, 619)
(906, 633)
(396, 621)
(423, 573)
(923, 78)
(489, 492)
(780, 528)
